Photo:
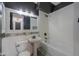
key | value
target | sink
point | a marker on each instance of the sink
(37, 39)
(35, 44)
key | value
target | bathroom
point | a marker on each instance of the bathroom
(19, 24)
(39, 28)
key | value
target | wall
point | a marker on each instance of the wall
(2, 24)
(0, 28)
(7, 22)
(61, 31)
(3, 20)
(9, 45)
(42, 24)
(76, 29)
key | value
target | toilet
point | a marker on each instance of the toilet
(25, 53)
(24, 48)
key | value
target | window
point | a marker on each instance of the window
(26, 22)
(17, 25)
(11, 21)
(34, 24)
(18, 22)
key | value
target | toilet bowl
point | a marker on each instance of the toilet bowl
(25, 53)
(24, 48)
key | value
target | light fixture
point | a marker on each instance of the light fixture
(31, 14)
(20, 12)
(26, 13)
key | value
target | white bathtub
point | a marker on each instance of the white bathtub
(52, 51)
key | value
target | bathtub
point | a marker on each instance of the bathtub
(50, 50)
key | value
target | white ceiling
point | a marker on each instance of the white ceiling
(55, 3)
